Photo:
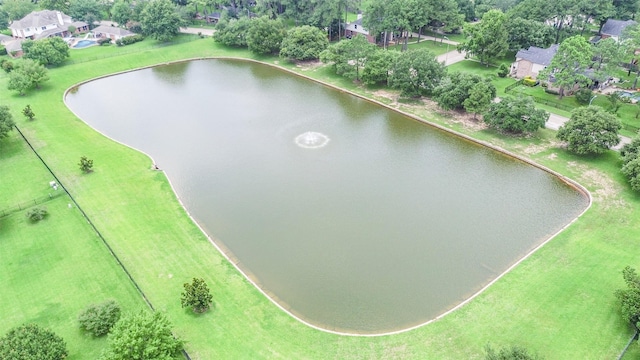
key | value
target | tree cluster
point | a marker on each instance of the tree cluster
(590, 131)
(30, 341)
(27, 74)
(630, 297)
(50, 51)
(515, 115)
(631, 162)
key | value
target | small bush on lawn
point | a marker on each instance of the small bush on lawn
(104, 41)
(503, 70)
(36, 214)
(98, 319)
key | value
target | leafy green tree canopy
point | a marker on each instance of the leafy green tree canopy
(27, 74)
(416, 73)
(49, 51)
(98, 319)
(265, 35)
(85, 10)
(121, 12)
(515, 115)
(304, 43)
(590, 130)
(140, 337)
(160, 20)
(196, 295)
(17, 9)
(29, 342)
(348, 56)
(455, 88)
(524, 33)
(569, 64)
(379, 65)
(232, 32)
(630, 297)
(6, 121)
(487, 39)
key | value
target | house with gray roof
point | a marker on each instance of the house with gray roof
(46, 23)
(531, 61)
(355, 28)
(614, 28)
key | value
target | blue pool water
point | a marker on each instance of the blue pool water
(632, 95)
(84, 43)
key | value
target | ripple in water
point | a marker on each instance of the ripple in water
(311, 140)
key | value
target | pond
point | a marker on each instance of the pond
(352, 216)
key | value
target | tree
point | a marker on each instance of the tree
(37, 73)
(98, 319)
(6, 121)
(454, 90)
(378, 68)
(28, 113)
(26, 75)
(479, 98)
(348, 56)
(590, 130)
(49, 51)
(569, 64)
(29, 341)
(513, 352)
(524, 33)
(608, 53)
(36, 214)
(630, 297)
(303, 43)
(232, 32)
(196, 296)
(17, 9)
(160, 20)
(121, 12)
(416, 73)
(60, 5)
(515, 115)
(265, 35)
(488, 39)
(631, 162)
(142, 336)
(85, 10)
(86, 165)
(625, 9)
(19, 81)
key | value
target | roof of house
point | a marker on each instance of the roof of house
(214, 15)
(112, 30)
(5, 38)
(614, 27)
(538, 55)
(15, 45)
(356, 26)
(37, 19)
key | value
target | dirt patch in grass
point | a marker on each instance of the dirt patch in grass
(308, 65)
(606, 192)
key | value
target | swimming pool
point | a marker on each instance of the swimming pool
(632, 95)
(84, 43)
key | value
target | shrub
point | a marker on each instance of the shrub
(36, 214)
(127, 40)
(98, 319)
(30, 341)
(583, 96)
(3, 50)
(85, 164)
(503, 70)
(104, 41)
(6, 65)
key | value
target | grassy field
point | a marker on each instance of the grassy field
(558, 303)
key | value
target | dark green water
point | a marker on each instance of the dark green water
(388, 225)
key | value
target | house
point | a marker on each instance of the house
(355, 28)
(111, 32)
(533, 60)
(45, 23)
(614, 28)
(213, 18)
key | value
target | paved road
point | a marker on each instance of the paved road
(193, 30)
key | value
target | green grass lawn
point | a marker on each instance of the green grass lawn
(435, 47)
(558, 303)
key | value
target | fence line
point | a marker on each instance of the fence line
(104, 241)
(177, 40)
(27, 204)
(624, 351)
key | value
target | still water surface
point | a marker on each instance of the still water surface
(387, 225)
